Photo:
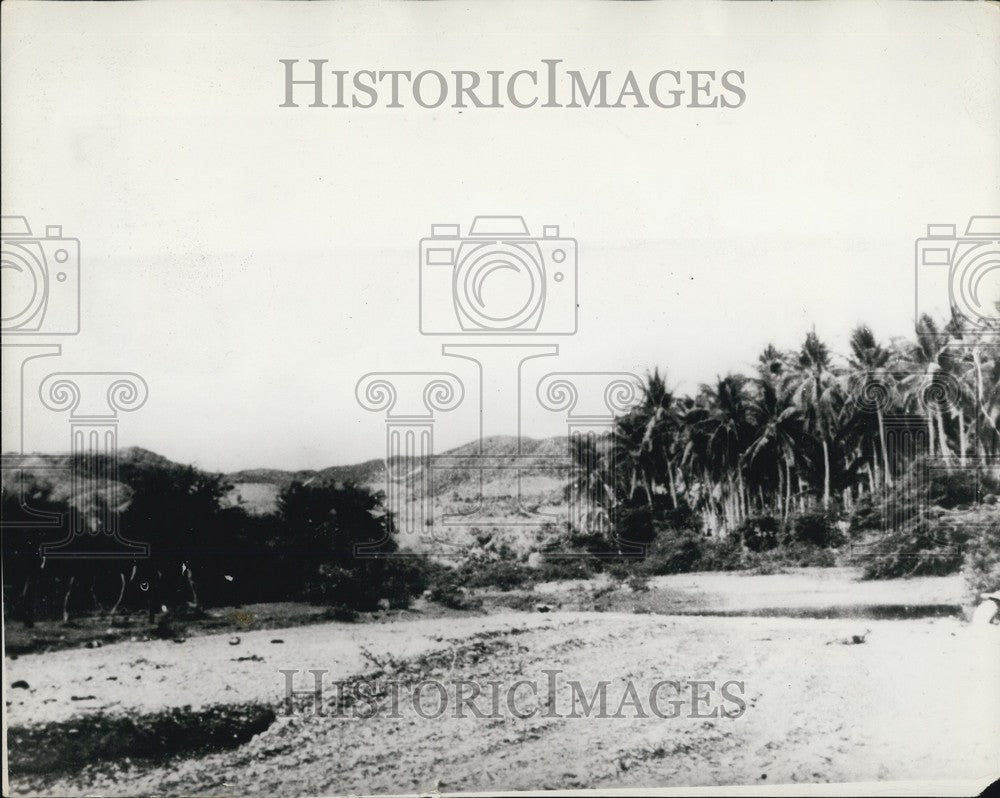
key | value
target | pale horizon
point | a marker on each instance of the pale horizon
(710, 233)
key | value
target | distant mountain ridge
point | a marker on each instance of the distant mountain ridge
(361, 473)
(366, 471)
(494, 498)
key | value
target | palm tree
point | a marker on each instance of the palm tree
(932, 363)
(656, 453)
(871, 380)
(976, 359)
(594, 481)
(777, 434)
(721, 432)
(815, 391)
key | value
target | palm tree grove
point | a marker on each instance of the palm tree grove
(816, 448)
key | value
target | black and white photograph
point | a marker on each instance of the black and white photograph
(506, 397)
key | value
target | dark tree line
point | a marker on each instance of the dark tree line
(325, 543)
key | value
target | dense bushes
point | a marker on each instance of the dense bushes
(761, 542)
(328, 543)
(982, 553)
(677, 545)
(927, 544)
(760, 532)
(815, 528)
(930, 532)
(499, 569)
(674, 552)
(789, 555)
(684, 551)
(340, 543)
(962, 487)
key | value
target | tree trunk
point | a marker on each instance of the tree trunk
(826, 473)
(190, 580)
(942, 439)
(980, 443)
(151, 595)
(779, 505)
(648, 485)
(28, 603)
(66, 597)
(961, 435)
(670, 481)
(93, 594)
(788, 489)
(885, 452)
(118, 601)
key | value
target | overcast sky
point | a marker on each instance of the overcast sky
(252, 262)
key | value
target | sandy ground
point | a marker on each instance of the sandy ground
(797, 587)
(152, 675)
(918, 700)
(198, 672)
(810, 587)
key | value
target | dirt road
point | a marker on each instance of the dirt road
(918, 699)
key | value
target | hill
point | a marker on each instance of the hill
(490, 507)
(471, 504)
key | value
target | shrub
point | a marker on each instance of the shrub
(559, 567)
(817, 528)
(620, 568)
(791, 555)
(500, 570)
(675, 552)
(404, 577)
(327, 528)
(928, 544)
(341, 613)
(760, 533)
(982, 555)
(722, 554)
(962, 487)
(805, 556)
(868, 515)
(448, 593)
(167, 628)
(521, 602)
(636, 524)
